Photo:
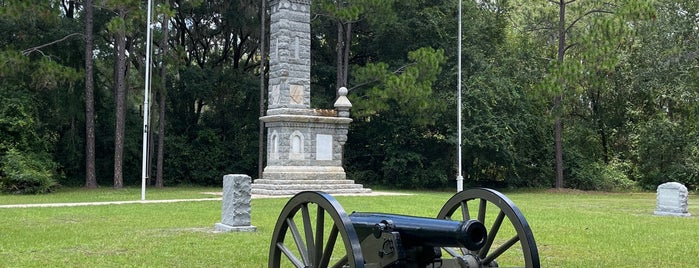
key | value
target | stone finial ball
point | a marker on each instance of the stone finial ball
(342, 91)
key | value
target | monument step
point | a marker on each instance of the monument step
(314, 182)
(311, 187)
(293, 192)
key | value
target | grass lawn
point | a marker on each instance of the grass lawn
(105, 194)
(572, 229)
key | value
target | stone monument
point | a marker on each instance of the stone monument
(304, 145)
(235, 208)
(672, 200)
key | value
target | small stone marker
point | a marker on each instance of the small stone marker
(235, 209)
(672, 200)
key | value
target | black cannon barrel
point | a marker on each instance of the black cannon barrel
(470, 234)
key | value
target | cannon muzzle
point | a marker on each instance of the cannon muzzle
(422, 231)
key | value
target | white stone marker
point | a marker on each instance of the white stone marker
(235, 209)
(672, 200)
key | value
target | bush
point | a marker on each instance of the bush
(667, 151)
(27, 173)
(601, 177)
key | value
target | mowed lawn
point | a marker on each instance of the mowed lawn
(571, 228)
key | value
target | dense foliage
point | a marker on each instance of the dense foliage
(620, 80)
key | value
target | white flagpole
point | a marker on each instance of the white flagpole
(459, 176)
(146, 104)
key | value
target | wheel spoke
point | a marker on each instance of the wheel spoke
(328, 252)
(481, 210)
(492, 233)
(464, 211)
(341, 263)
(500, 250)
(452, 252)
(308, 231)
(456, 252)
(298, 239)
(320, 228)
(287, 252)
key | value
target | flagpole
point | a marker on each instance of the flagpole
(459, 176)
(146, 104)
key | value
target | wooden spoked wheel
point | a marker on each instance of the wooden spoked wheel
(510, 241)
(313, 230)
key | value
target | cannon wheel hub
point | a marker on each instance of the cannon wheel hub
(472, 261)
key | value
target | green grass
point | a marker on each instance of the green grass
(76, 195)
(572, 229)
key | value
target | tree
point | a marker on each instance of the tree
(162, 94)
(211, 97)
(396, 117)
(90, 176)
(403, 134)
(620, 78)
(119, 28)
(347, 13)
(34, 78)
(660, 79)
(263, 89)
(120, 97)
(503, 121)
(587, 34)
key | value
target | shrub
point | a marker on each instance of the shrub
(600, 176)
(667, 151)
(27, 173)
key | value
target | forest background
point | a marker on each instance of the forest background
(587, 94)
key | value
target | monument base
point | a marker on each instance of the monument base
(221, 227)
(665, 213)
(290, 180)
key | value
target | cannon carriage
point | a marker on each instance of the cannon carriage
(475, 228)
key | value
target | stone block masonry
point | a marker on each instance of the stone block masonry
(235, 205)
(304, 146)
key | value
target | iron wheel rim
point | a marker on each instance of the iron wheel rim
(312, 247)
(508, 210)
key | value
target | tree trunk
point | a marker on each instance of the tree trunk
(151, 144)
(345, 63)
(263, 91)
(90, 175)
(340, 65)
(161, 105)
(558, 140)
(598, 117)
(161, 135)
(558, 103)
(119, 132)
(340, 54)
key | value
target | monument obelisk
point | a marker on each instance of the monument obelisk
(304, 145)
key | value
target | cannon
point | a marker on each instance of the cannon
(313, 230)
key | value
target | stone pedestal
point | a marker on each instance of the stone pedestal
(235, 209)
(304, 153)
(672, 200)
